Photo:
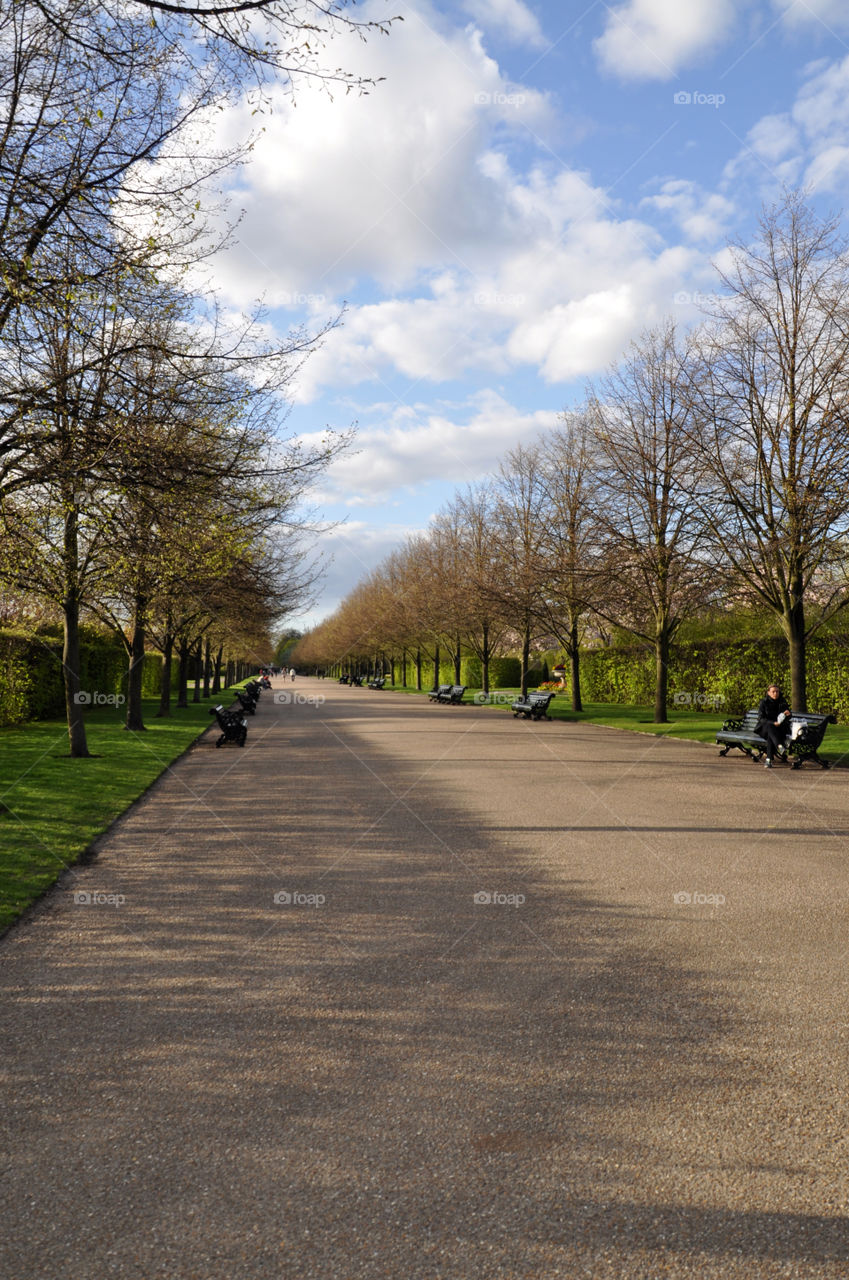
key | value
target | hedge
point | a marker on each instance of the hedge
(31, 684)
(729, 676)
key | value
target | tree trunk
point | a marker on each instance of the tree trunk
(419, 670)
(216, 680)
(436, 668)
(198, 670)
(183, 675)
(575, 664)
(207, 668)
(458, 657)
(526, 655)
(165, 682)
(794, 629)
(71, 645)
(135, 717)
(661, 683)
(485, 659)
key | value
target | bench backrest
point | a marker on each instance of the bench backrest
(539, 697)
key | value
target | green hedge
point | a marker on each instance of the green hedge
(31, 684)
(728, 676)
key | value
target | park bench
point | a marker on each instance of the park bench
(455, 694)
(440, 694)
(534, 706)
(377, 683)
(807, 730)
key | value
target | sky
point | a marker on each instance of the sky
(528, 188)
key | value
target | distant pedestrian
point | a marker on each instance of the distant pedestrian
(773, 722)
(292, 673)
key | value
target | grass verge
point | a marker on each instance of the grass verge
(52, 806)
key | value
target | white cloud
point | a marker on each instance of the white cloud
(701, 215)
(806, 144)
(350, 551)
(654, 39)
(512, 18)
(386, 185)
(455, 445)
(826, 13)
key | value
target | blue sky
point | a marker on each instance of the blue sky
(530, 186)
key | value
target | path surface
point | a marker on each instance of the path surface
(383, 1077)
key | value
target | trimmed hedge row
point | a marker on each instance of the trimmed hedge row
(719, 675)
(31, 685)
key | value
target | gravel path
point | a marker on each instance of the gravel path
(629, 1063)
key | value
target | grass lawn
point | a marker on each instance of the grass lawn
(52, 807)
(698, 726)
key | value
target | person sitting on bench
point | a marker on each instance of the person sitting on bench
(773, 722)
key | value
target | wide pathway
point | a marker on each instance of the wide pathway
(429, 993)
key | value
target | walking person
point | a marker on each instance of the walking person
(773, 722)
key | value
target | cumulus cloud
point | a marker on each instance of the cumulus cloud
(701, 215)
(806, 144)
(510, 18)
(386, 185)
(654, 39)
(421, 445)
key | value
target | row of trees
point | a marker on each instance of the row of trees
(143, 477)
(707, 469)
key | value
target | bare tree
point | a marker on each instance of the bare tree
(519, 525)
(572, 536)
(774, 399)
(654, 535)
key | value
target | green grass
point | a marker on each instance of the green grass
(52, 807)
(697, 726)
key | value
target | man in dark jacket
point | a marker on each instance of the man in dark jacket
(773, 722)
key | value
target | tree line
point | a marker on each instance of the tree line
(145, 477)
(708, 469)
